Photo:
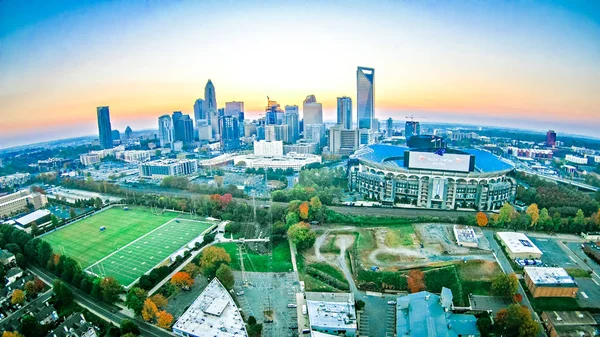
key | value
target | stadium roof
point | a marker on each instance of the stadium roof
(392, 155)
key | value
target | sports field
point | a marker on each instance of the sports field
(134, 240)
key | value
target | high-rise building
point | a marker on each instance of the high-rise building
(235, 109)
(199, 112)
(412, 128)
(389, 131)
(128, 133)
(344, 112)
(183, 127)
(230, 133)
(210, 109)
(343, 141)
(551, 138)
(276, 133)
(365, 103)
(104, 128)
(165, 130)
(312, 111)
(314, 133)
(273, 113)
(204, 130)
(116, 135)
(268, 149)
(291, 119)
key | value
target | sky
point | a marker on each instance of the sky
(526, 64)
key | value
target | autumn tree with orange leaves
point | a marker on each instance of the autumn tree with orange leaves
(482, 219)
(149, 310)
(12, 334)
(415, 281)
(160, 300)
(182, 280)
(164, 319)
(303, 210)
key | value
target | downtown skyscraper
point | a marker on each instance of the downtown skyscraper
(365, 103)
(344, 112)
(210, 108)
(165, 130)
(312, 111)
(104, 128)
(199, 112)
(291, 118)
(183, 127)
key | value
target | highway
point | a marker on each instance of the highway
(102, 310)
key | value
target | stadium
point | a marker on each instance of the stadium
(431, 178)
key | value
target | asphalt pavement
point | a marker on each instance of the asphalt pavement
(102, 310)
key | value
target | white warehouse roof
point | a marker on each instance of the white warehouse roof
(518, 243)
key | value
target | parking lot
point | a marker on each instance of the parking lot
(589, 293)
(553, 253)
(274, 291)
(493, 303)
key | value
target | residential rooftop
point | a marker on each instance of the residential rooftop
(213, 313)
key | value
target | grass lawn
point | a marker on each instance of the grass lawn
(312, 284)
(282, 260)
(330, 270)
(117, 252)
(478, 270)
(399, 236)
(577, 272)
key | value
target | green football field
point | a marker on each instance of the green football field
(133, 242)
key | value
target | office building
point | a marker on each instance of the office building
(249, 128)
(273, 113)
(104, 128)
(367, 136)
(344, 112)
(134, 156)
(570, 324)
(312, 111)
(389, 128)
(89, 159)
(165, 130)
(291, 119)
(210, 109)
(551, 138)
(276, 132)
(365, 102)
(183, 128)
(426, 314)
(268, 149)
(465, 236)
(301, 147)
(314, 133)
(17, 202)
(518, 245)
(128, 133)
(168, 167)
(549, 282)
(292, 160)
(576, 159)
(530, 153)
(343, 141)
(235, 109)
(199, 112)
(332, 314)
(230, 133)
(213, 313)
(412, 128)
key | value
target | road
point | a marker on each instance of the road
(102, 310)
(507, 269)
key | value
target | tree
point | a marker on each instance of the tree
(484, 324)
(303, 210)
(192, 269)
(128, 326)
(482, 219)
(39, 284)
(130, 334)
(545, 219)
(505, 285)
(72, 213)
(160, 301)
(149, 310)
(135, 299)
(18, 297)
(164, 319)
(518, 298)
(359, 305)
(111, 289)
(251, 320)
(302, 235)
(11, 334)
(63, 293)
(516, 321)
(534, 213)
(30, 288)
(529, 328)
(415, 281)
(182, 280)
(54, 221)
(579, 219)
(211, 258)
(35, 230)
(225, 275)
(21, 260)
(506, 213)
(30, 327)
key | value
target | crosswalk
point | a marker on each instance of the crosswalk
(390, 321)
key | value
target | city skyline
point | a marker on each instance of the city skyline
(531, 66)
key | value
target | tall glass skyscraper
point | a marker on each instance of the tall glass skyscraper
(230, 133)
(183, 127)
(365, 104)
(210, 108)
(165, 130)
(344, 112)
(290, 118)
(199, 112)
(104, 128)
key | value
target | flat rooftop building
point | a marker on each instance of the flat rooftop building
(549, 282)
(213, 313)
(570, 324)
(332, 313)
(465, 236)
(40, 216)
(168, 167)
(518, 245)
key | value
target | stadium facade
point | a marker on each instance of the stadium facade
(429, 178)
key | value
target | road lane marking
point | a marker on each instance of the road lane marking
(584, 294)
(572, 258)
(598, 284)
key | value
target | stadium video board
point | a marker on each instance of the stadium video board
(446, 162)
